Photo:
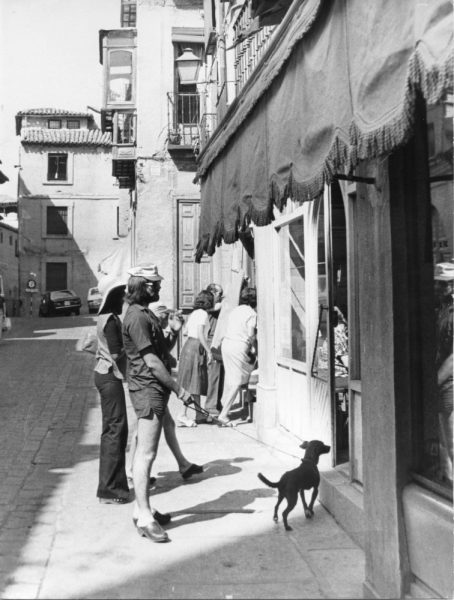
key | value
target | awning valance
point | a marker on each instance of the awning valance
(338, 86)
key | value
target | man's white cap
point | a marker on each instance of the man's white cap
(148, 272)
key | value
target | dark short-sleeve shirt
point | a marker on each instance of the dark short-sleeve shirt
(141, 329)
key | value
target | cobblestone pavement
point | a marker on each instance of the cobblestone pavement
(57, 541)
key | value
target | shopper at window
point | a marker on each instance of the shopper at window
(238, 350)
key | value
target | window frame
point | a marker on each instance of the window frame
(49, 121)
(72, 122)
(281, 221)
(69, 168)
(57, 208)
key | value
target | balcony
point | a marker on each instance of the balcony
(251, 39)
(122, 125)
(183, 120)
(183, 136)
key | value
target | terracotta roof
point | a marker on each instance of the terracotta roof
(66, 137)
(53, 112)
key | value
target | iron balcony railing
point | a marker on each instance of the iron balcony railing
(183, 119)
(249, 45)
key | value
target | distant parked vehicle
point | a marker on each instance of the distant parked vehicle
(93, 299)
(61, 302)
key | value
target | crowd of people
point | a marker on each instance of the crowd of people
(136, 352)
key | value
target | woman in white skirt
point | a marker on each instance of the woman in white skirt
(195, 355)
(238, 350)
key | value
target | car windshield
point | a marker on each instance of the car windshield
(62, 295)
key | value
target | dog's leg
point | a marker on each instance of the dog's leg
(311, 504)
(279, 500)
(291, 501)
(307, 512)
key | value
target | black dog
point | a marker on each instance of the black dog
(304, 477)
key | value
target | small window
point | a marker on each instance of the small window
(1, 237)
(124, 132)
(73, 124)
(54, 124)
(57, 167)
(120, 76)
(10, 240)
(128, 13)
(57, 220)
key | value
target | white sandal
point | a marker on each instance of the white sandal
(185, 422)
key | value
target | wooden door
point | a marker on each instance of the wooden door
(192, 277)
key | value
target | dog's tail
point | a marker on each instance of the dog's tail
(267, 481)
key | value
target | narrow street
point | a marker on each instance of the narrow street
(57, 541)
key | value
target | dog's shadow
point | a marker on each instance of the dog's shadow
(231, 502)
(168, 480)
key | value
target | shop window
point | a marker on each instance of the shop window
(120, 76)
(73, 124)
(57, 167)
(438, 415)
(292, 305)
(57, 220)
(54, 124)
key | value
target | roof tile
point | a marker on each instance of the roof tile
(66, 137)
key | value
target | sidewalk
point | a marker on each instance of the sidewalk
(224, 543)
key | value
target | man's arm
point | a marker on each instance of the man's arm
(159, 370)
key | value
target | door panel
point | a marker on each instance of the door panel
(192, 277)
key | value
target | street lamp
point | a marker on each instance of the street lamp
(188, 66)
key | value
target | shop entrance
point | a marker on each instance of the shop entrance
(339, 327)
(330, 358)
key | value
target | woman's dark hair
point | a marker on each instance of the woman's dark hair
(249, 296)
(204, 300)
(137, 290)
(114, 301)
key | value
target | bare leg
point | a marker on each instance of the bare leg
(168, 425)
(229, 394)
(148, 434)
(132, 451)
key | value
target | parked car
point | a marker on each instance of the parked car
(61, 302)
(93, 299)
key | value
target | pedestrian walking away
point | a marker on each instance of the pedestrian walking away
(109, 376)
(195, 356)
(150, 384)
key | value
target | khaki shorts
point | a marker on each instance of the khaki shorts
(147, 403)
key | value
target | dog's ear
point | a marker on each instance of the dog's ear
(304, 445)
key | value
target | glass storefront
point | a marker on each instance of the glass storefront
(292, 273)
(438, 411)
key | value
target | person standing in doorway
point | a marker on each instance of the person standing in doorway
(150, 385)
(109, 376)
